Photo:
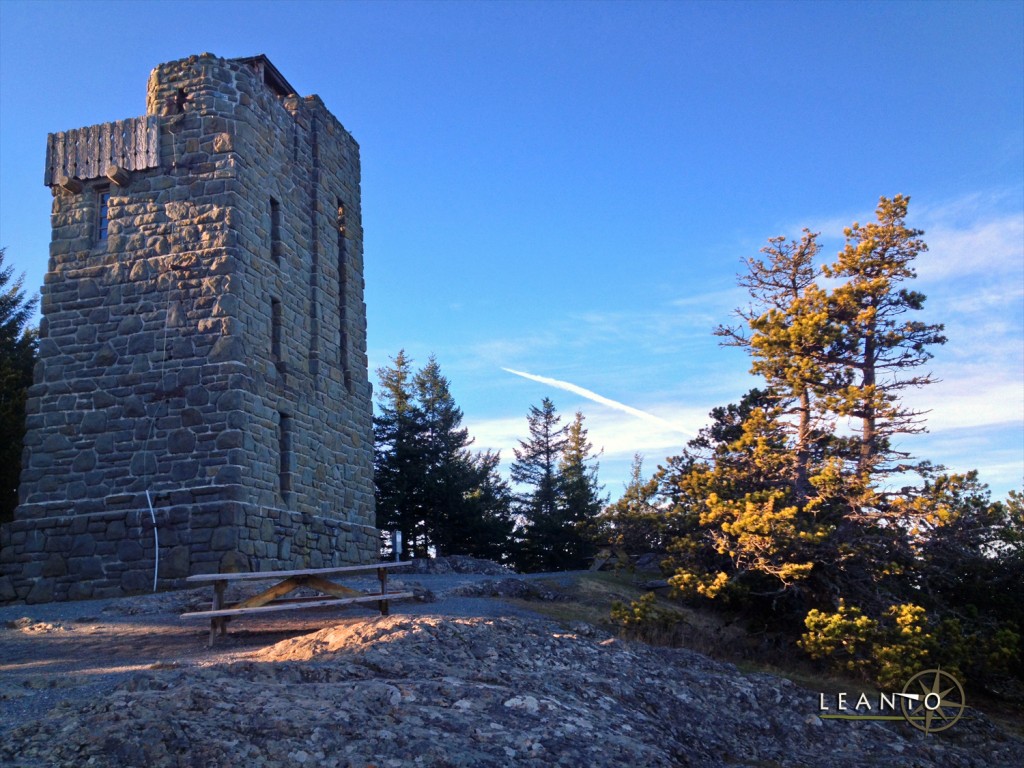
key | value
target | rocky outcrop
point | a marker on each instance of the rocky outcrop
(454, 564)
(519, 589)
(405, 691)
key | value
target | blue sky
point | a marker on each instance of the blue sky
(566, 189)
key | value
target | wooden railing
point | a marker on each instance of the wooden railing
(87, 153)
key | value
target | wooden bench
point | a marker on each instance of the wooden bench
(273, 598)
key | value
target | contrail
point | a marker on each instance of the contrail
(570, 387)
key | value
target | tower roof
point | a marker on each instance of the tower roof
(271, 75)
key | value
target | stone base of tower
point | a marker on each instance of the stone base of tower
(112, 552)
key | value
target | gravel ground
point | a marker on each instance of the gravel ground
(70, 651)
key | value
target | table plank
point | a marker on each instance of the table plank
(268, 575)
(295, 606)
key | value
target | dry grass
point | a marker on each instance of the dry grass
(593, 594)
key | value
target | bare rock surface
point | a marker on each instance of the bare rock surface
(521, 589)
(455, 682)
(455, 564)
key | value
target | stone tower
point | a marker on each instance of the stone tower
(203, 345)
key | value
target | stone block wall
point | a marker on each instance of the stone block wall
(203, 340)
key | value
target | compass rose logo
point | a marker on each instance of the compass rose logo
(932, 700)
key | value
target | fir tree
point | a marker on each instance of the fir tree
(559, 510)
(399, 462)
(447, 465)
(635, 522)
(429, 485)
(487, 527)
(466, 502)
(17, 360)
(536, 467)
(581, 500)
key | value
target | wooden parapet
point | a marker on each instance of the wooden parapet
(88, 153)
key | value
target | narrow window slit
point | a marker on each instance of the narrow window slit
(102, 213)
(275, 333)
(284, 455)
(275, 231)
(343, 348)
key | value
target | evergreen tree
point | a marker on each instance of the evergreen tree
(446, 462)
(467, 504)
(487, 527)
(735, 530)
(798, 508)
(581, 500)
(635, 522)
(429, 485)
(17, 360)
(537, 467)
(399, 460)
(776, 515)
(878, 343)
(787, 332)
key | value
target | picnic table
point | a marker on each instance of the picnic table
(274, 597)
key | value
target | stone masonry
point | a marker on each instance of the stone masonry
(203, 341)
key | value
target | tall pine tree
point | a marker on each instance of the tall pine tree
(17, 359)
(430, 486)
(536, 467)
(400, 469)
(787, 332)
(581, 499)
(880, 344)
(562, 500)
(797, 511)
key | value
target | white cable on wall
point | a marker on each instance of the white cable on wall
(156, 539)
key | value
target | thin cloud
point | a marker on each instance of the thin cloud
(590, 395)
(975, 234)
(984, 247)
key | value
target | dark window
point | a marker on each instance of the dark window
(284, 455)
(343, 351)
(102, 213)
(275, 332)
(275, 230)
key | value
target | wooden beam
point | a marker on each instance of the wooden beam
(295, 606)
(118, 175)
(330, 588)
(70, 183)
(276, 591)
